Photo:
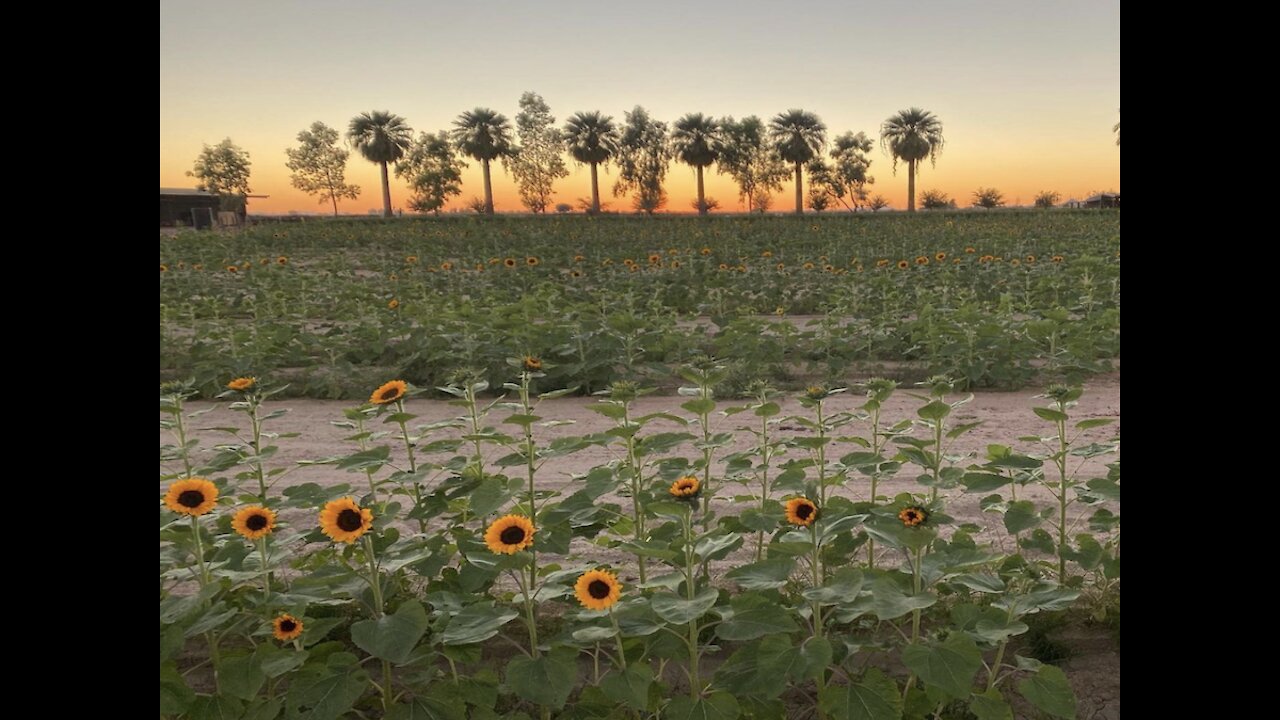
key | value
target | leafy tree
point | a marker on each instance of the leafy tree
(537, 163)
(1047, 198)
(695, 139)
(936, 200)
(1116, 130)
(319, 166)
(707, 204)
(819, 199)
(878, 203)
(643, 157)
(746, 155)
(845, 178)
(988, 198)
(433, 170)
(484, 135)
(223, 170)
(799, 137)
(563, 208)
(592, 138)
(912, 135)
(381, 138)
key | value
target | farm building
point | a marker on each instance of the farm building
(1103, 200)
(187, 207)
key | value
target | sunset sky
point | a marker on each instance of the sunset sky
(1027, 91)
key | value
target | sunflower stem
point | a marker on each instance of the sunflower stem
(704, 420)
(413, 465)
(368, 472)
(817, 610)
(530, 463)
(765, 457)
(266, 571)
(694, 682)
(1060, 460)
(875, 477)
(199, 550)
(633, 460)
(255, 422)
(617, 636)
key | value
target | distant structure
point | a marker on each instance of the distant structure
(188, 207)
(1102, 200)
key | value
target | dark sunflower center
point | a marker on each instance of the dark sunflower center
(288, 626)
(256, 522)
(191, 498)
(512, 536)
(350, 520)
(598, 589)
(804, 511)
(389, 393)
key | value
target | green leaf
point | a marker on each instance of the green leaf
(476, 623)
(842, 587)
(1050, 414)
(217, 707)
(1020, 516)
(175, 696)
(983, 482)
(1093, 423)
(546, 680)
(629, 687)
(699, 406)
(765, 575)
(392, 637)
(872, 697)
(679, 611)
(754, 519)
(935, 410)
(327, 696)
(265, 710)
(990, 705)
(1049, 691)
(950, 666)
(241, 677)
(372, 459)
(609, 410)
(489, 495)
(429, 708)
(716, 706)
(888, 601)
(980, 583)
(522, 420)
(755, 616)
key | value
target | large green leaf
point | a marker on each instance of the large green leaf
(1049, 691)
(1020, 516)
(489, 495)
(765, 575)
(476, 623)
(842, 587)
(889, 601)
(629, 687)
(392, 637)
(216, 707)
(755, 616)
(546, 680)
(241, 677)
(990, 705)
(716, 706)
(950, 666)
(679, 611)
(873, 697)
(326, 695)
(429, 708)
(175, 696)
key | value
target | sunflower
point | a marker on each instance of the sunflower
(1015, 262)
(767, 254)
(955, 261)
(446, 266)
(1030, 259)
(816, 392)
(345, 521)
(410, 259)
(242, 384)
(393, 304)
(705, 251)
(903, 264)
(828, 268)
(779, 311)
(254, 522)
(723, 266)
(970, 250)
(913, 516)
(579, 258)
(191, 496)
(233, 269)
(1057, 258)
(801, 511)
(509, 262)
(282, 260)
(673, 251)
(598, 589)
(922, 259)
(807, 266)
(575, 273)
(686, 488)
(494, 261)
(742, 268)
(655, 258)
(286, 627)
(164, 268)
(986, 258)
(882, 262)
(264, 261)
(532, 261)
(781, 266)
(940, 256)
(509, 534)
(389, 392)
(198, 267)
(532, 364)
(246, 265)
(181, 265)
(675, 264)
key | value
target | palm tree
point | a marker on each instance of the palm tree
(381, 138)
(799, 137)
(484, 135)
(912, 135)
(1116, 130)
(592, 138)
(696, 141)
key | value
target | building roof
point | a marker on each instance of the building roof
(1099, 196)
(185, 191)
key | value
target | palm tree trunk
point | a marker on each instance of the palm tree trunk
(386, 192)
(702, 202)
(595, 191)
(911, 186)
(799, 196)
(488, 189)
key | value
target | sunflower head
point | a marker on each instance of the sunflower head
(410, 259)
(1030, 258)
(286, 627)
(446, 266)
(575, 273)
(922, 260)
(940, 256)
(254, 522)
(1057, 258)
(392, 304)
(624, 390)
(655, 258)
(242, 384)
(675, 264)
(509, 534)
(532, 261)
(282, 260)
(509, 262)
(197, 267)
(598, 589)
(801, 511)
(164, 268)
(233, 269)
(913, 516)
(193, 496)
(724, 266)
(686, 488)
(579, 258)
(808, 266)
(345, 521)
(531, 363)
(1015, 262)
(389, 392)
(816, 392)
(903, 264)
(970, 250)
(767, 254)
(705, 251)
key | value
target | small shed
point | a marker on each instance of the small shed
(1103, 200)
(187, 207)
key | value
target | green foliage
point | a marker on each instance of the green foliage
(433, 170)
(536, 163)
(1047, 198)
(643, 157)
(936, 200)
(223, 170)
(319, 166)
(988, 198)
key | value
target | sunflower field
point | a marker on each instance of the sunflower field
(778, 508)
